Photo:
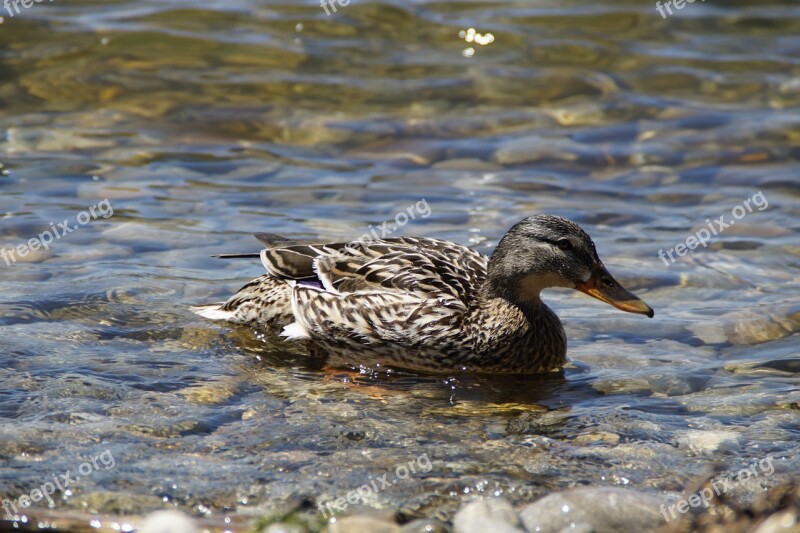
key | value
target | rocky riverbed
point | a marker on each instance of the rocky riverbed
(161, 133)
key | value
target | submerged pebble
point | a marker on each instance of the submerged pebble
(700, 441)
(362, 524)
(168, 522)
(493, 514)
(597, 509)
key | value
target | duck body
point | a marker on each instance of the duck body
(417, 303)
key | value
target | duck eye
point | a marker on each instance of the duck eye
(565, 244)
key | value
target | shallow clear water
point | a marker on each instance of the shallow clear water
(203, 123)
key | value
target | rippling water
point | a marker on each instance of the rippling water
(201, 123)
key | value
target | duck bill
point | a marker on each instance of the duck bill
(604, 287)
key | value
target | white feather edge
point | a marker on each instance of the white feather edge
(297, 330)
(294, 332)
(264, 259)
(213, 312)
(323, 277)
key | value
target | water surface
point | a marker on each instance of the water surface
(202, 123)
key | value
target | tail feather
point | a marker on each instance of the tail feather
(213, 311)
(266, 300)
(272, 240)
(295, 332)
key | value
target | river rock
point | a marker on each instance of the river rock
(284, 528)
(167, 522)
(362, 524)
(599, 437)
(424, 525)
(597, 509)
(535, 148)
(494, 514)
(706, 441)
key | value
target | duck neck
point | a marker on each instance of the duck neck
(532, 332)
(521, 291)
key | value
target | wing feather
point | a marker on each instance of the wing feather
(371, 318)
(424, 267)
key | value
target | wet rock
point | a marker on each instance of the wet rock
(779, 366)
(467, 163)
(116, 191)
(791, 366)
(597, 509)
(621, 385)
(90, 255)
(28, 252)
(537, 422)
(600, 437)
(635, 455)
(168, 522)
(210, 392)
(776, 510)
(165, 431)
(22, 140)
(362, 524)
(405, 153)
(775, 358)
(424, 525)
(579, 114)
(313, 130)
(750, 326)
(787, 521)
(130, 233)
(283, 528)
(530, 149)
(700, 441)
(119, 502)
(472, 408)
(494, 514)
(745, 400)
(709, 332)
(678, 385)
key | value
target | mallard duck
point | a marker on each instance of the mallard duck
(427, 304)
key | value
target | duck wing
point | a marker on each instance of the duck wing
(418, 266)
(406, 291)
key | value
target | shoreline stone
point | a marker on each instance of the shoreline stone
(597, 509)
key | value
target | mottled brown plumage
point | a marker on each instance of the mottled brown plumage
(427, 304)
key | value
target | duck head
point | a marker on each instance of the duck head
(544, 251)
